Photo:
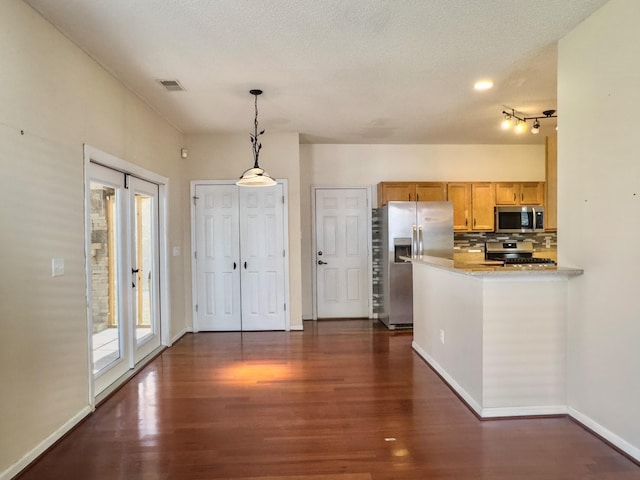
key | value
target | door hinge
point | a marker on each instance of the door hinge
(126, 181)
(285, 307)
(196, 307)
(284, 253)
(195, 199)
(195, 254)
(283, 199)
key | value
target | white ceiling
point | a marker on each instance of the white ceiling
(336, 71)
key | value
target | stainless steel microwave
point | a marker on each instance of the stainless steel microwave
(524, 219)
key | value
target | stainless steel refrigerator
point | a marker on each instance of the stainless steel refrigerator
(406, 229)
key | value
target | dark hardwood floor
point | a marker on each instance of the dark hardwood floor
(343, 400)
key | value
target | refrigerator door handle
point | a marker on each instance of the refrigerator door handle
(419, 240)
(414, 241)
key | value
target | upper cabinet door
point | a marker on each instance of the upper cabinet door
(431, 192)
(531, 193)
(396, 192)
(482, 199)
(460, 195)
(519, 193)
(507, 193)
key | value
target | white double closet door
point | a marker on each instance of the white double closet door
(240, 257)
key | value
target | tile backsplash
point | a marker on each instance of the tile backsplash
(465, 241)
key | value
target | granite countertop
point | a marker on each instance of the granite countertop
(491, 268)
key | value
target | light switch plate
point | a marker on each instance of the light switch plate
(57, 267)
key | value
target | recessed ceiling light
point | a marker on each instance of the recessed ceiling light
(483, 85)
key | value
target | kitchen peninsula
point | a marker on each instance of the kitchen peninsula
(496, 334)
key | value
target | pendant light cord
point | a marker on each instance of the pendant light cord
(254, 137)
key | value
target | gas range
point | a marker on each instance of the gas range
(515, 254)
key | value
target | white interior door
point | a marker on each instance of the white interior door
(342, 259)
(218, 258)
(263, 258)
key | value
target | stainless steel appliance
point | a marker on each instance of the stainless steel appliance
(524, 219)
(406, 229)
(515, 254)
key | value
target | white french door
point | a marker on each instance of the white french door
(124, 272)
(239, 258)
(342, 252)
(143, 238)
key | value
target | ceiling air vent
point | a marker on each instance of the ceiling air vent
(171, 85)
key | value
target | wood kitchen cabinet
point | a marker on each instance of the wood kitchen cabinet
(472, 206)
(519, 193)
(411, 191)
(460, 195)
(482, 203)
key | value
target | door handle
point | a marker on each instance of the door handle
(514, 197)
(414, 241)
(245, 265)
(320, 262)
(133, 272)
(234, 265)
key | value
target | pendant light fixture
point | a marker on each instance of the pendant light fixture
(255, 176)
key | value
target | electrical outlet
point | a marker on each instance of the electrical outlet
(57, 267)
(442, 337)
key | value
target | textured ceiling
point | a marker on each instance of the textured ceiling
(336, 71)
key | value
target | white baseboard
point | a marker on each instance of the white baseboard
(608, 435)
(42, 447)
(532, 411)
(458, 389)
(296, 328)
(181, 334)
(307, 316)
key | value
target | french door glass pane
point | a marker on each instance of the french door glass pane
(104, 275)
(144, 254)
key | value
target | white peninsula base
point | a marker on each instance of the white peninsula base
(497, 337)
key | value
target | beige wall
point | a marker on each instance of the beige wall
(221, 157)
(366, 165)
(60, 99)
(598, 219)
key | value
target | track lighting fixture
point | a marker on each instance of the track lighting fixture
(520, 121)
(536, 127)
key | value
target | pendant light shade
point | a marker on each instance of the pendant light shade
(255, 176)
